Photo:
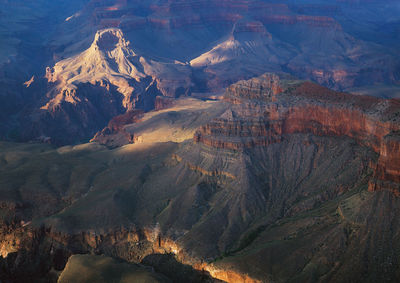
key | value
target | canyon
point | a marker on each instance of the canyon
(306, 107)
(199, 141)
(277, 168)
(130, 52)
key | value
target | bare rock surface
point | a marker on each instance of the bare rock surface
(283, 180)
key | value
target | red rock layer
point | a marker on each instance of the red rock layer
(142, 242)
(315, 119)
(388, 167)
(163, 102)
(265, 87)
(116, 130)
(129, 117)
(195, 13)
(317, 8)
(315, 21)
(266, 110)
(251, 27)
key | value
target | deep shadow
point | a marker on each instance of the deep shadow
(167, 265)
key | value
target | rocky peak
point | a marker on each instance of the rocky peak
(110, 39)
(247, 39)
(107, 75)
(243, 27)
(109, 59)
(265, 87)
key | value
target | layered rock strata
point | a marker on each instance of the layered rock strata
(48, 251)
(115, 134)
(111, 61)
(275, 183)
(108, 79)
(270, 107)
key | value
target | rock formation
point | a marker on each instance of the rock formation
(111, 61)
(250, 46)
(280, 174)
(106, 80)
(129, 52)
(115, 134)
(279, 179)
(340, 60)
(270, 108)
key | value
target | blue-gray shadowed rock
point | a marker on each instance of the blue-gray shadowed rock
(175, 49)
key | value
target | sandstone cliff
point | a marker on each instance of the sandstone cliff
(271, 107)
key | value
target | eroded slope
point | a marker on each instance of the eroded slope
(282, 181)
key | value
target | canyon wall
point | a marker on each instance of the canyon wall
(279, 150)
(130, 244)
(268, 109)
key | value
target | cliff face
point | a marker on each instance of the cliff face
(388, 164)
(138, 50)
(85, 91)
(115, 134)
(339, 60)
(387, 169)
(111, 61)
(313, 21)
(268, 109)
(46, 253)
(290, 181)
(163, 102)
(224, 12)
(280, 175)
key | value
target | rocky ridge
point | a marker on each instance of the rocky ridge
(110, 57)
(339, 60)
(108, 79)
(221, 185)
(111, 61)
(271, 107)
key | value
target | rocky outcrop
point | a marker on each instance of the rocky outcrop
(210, 206)
(74, 115)
(389, 159)
(230, 275)
(305, 22)
(387, 169)
(132, 245)
(269, 108)
(110, 61)
(163, 102)
(92, 268)
(263, 88)
(251, 46)
(138, 45)
(274, 188)
(115, 134)
(313, 21)
(106, 80)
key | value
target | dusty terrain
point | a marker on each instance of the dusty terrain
(258, 186)
(199, 141)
